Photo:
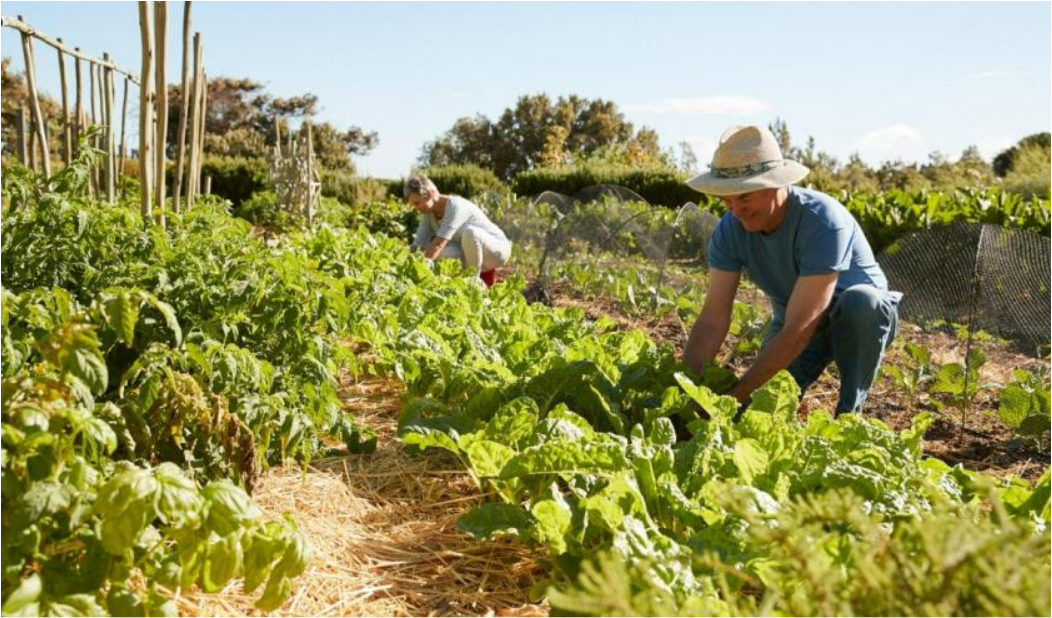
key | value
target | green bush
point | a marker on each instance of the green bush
(235, 178)
(355, 190)
(392, 217)
(466, 180)
(656, 185)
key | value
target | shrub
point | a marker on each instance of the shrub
(235, 178)
(354, 190)
(466, 180)
(655, 184)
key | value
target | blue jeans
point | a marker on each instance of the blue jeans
(854, 334)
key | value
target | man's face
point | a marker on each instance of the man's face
(422, 203)
(755, 210)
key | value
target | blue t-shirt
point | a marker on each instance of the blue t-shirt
(817, 236)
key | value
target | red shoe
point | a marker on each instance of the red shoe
(489, 277)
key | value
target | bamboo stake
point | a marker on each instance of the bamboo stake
(124, 122)
(96, 178)
(310, 174)
(194, 124)
(67, 129)
(145, 113)
(34, 101)
(78, 126)
(201, 131)
(23, 130)
(106, 109)
(160, 25)
(177, 186)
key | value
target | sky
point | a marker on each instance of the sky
(894, 80)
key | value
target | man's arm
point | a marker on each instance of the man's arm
(710, 329)
(807, 305)
(435, 248)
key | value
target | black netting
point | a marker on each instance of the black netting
(983, 276)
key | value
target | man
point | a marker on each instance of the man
(454, 227)
(829, 297)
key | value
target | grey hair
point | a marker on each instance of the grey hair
(419, 185)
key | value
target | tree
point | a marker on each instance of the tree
(1005, 160)
(538, 131)
(241, 120)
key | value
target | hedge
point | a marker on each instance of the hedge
(236, 178)
(465, 180)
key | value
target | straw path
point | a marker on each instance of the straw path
(383, 529)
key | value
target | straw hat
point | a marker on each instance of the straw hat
(747, 159)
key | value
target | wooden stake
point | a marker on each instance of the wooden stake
(193, 120)
(180, 153)
(201, 131)
(34, 101)
(124, 122)
(160, 25)
(78, 126)
(67, 129)
(109, 163)
(146, 113)
(23, 134)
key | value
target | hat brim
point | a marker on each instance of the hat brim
(776, 178)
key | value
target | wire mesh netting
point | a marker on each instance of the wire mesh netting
(985, 277)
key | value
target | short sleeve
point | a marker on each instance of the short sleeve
(457, 214)
(723, 252)
(826, 249)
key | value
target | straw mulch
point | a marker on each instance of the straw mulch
(383, 528)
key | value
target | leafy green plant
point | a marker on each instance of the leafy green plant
(1025, 405)
(913, 371)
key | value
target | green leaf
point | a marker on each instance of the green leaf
(223, 561)
(779, 396)
(229, 507)
(566, 458)
(750, 459)
(121, 313)
(179, 501)
(27, 593)
(493, 518)
(721, 408)
(487, 458)
(552, 524)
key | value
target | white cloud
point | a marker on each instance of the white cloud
(987, 74)
(893, 140)
(721, 105)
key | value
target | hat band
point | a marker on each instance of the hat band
(747, 170)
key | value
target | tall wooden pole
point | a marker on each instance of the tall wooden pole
(124, 123)
(34, 101)
(177, 185)
(203, 124)
(160, 25)
(195, 112)
(67, 129)
(146, 113)
(96, 177)
(109, 162)
(78, 126)
(23, 135)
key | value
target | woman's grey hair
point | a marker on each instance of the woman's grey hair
(418, 185)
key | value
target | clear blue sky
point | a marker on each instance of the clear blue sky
(888, 80)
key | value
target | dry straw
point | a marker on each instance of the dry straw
(383, 528)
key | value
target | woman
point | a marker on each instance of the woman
(454, 227)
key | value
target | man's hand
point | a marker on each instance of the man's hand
(807, 304)
(435, 248)
(710, 329)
